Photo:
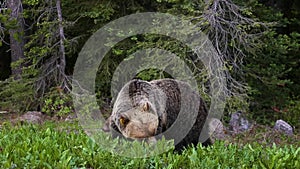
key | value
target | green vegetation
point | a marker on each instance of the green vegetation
(258, 43)
(56, 103)
(67, 146)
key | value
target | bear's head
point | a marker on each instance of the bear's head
(138, 122)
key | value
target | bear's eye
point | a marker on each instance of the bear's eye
(123, 121)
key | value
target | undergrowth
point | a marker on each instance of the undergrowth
(67, 146)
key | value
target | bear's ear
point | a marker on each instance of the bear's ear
(146, 106)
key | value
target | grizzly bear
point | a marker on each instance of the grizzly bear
(165, 107)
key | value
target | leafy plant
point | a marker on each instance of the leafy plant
(17, 95)
(55, 146)
(57, 103)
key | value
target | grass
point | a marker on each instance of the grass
(65, 145)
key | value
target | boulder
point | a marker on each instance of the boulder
(284, 127)
(238, 123)
(34, 117)
(217, 130)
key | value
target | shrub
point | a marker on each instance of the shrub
(66, 146)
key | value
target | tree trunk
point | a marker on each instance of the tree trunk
(16, 36)
(62, 54)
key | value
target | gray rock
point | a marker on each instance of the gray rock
(238, 123)
(217, 130)
(32, 117)
(284, 127)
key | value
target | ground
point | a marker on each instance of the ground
(262, 134)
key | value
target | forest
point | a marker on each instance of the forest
(44, 50)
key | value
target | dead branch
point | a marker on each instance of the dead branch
(233, 35)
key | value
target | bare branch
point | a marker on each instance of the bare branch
(233, 36)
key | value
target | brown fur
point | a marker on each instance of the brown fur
(139, 112)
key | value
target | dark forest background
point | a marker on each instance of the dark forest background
(40, 41)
